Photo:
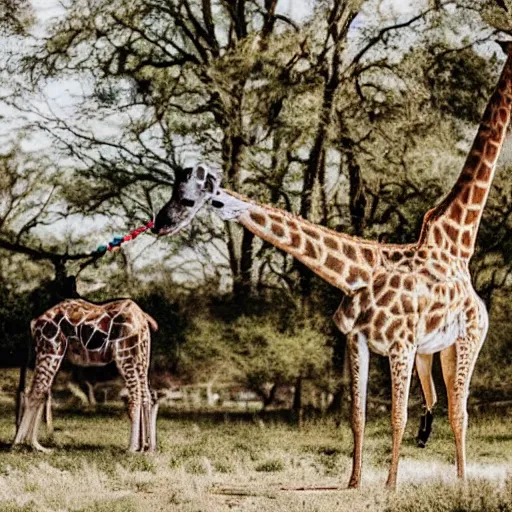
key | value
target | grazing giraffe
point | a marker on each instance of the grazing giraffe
(405, 302)
(93, 335)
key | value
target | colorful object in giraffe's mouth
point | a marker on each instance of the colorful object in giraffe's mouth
(115, 244)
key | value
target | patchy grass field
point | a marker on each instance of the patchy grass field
(207, 465)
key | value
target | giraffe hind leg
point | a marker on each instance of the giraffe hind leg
(457, 365)
(127, 368)
(144, 428)
(424, 368)
(146, 433)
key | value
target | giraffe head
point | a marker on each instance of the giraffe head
(193, 187)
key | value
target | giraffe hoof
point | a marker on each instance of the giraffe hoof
(42, 449)
(391, 485)
(425, 429)
(354, 484)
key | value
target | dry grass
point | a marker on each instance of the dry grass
(203, 465)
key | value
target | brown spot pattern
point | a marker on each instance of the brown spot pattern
(309, 250)
(471, 217)
(331, 243)
(380, 320)
(394, 282)
(391, 330)
(311, 232)
(379, 283)
(369, 256)
(334, 264)
(386, 298)
(433, 322)
(258, 218)
(464, 197)
(484, 173)
(479, 194)
(357, 274)
(277, 229)
(292, 224)
(453, 233)
(438, 237)
(407, 304)
(456, 212)
(349, 251)
(295, 239)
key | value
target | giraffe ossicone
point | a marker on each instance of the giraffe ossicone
(405, 302)
(93, 335)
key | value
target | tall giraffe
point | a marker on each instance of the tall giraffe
(93, 335)
(405, 302)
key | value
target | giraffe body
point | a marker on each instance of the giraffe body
(419, 298)
(94, 335)
(405, 302)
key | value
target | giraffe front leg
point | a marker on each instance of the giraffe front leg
(30, 423)
(35, 430)
(424, 367)
(28, 414)
(45, 370)
(359, 358)
(401, 361)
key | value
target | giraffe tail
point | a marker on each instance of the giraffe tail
(151, 321)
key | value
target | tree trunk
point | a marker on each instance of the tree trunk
(242, 286)
(268, 400)
(357, 197)
(240, 252)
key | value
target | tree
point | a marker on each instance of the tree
(15, 16)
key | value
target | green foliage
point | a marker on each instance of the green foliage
(471, 72)
(15, 16)
(254, 351)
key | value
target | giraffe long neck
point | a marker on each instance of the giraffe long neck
(454, 223)
(341, 260)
